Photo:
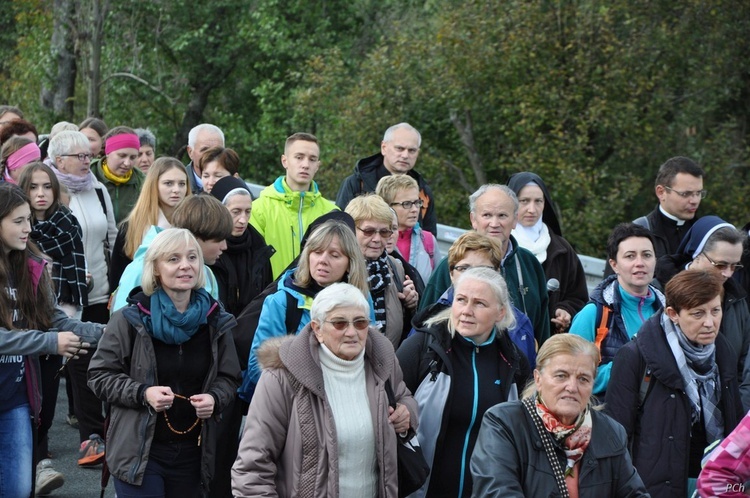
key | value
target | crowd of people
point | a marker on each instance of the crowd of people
(215, 344)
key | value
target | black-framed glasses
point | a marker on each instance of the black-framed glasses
(341, 325)
(722, 265)
(408, 204)
(81, 156)
(463, 268)
(689, 193)
(369, 231)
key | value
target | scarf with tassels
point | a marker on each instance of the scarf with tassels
(574, 438)
(379, 278)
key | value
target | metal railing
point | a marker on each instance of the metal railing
(447, 235)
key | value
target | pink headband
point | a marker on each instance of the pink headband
(23, 156)
(124, 141)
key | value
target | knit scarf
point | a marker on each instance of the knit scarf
(169, 325)
(379, 278)
(75, 183)
(117, 180)
(700, 373)
(60, 238)
(535, 239)
(574, 438)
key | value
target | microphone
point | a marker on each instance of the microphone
(553, 285)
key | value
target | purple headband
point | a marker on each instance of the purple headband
(23, 156)
(124, 141)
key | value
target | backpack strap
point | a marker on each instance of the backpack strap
(100, 195)
(398, 278)
(293, 314)
(645, 388)
(643, 221)
(604, 318)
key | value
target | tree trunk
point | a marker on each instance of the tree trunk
(99, 15)
(58, 96)
(193, 117)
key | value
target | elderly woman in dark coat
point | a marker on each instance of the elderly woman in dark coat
(538, 230)
(674, 386)
(554, 442)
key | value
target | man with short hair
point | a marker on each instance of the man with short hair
(493, 210)
(679, 188)
(285, 208)
(398, 155)
(200, 139)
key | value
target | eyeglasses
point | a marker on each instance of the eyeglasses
(689, 193)
(81, 157)
(369, 232)
(463, 268)
(408, 204)
(359, 324)
(721, 266)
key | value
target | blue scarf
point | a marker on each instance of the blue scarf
(169, 325)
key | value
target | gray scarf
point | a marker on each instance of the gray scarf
(697, 365)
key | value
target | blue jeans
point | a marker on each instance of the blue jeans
(16, 452)
(173, 471)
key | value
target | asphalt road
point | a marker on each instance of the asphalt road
(63, 445)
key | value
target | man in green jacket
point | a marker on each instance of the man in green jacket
(493, 210)
(285, 208)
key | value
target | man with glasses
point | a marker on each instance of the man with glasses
(398, 155)
(679, 188)
(285, 208)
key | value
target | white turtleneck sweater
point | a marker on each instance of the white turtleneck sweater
(346, 391)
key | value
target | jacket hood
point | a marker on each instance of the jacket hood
(268, 352)
(549, 216)
(369, 165)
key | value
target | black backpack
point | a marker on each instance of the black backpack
(247, 321)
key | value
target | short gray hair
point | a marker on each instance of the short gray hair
(338, 295)
(146, 137)
(473, 198)
(66, 141)
(62, 126)
(193, 135)
(388, 135)
(166, 242)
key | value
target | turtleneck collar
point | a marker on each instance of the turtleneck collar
(335, 364)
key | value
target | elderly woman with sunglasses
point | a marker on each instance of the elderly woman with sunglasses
(393, 293)
(320, 423)
(715, 246)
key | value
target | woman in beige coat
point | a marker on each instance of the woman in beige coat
(319, 424)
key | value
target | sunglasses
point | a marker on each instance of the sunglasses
(359, 324)
(369, 232)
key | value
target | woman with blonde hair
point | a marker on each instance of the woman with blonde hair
(168, 368)
(330, 255)
(558, 410)
(166, 185)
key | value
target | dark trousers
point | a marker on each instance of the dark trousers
(49, 365)
(173, 471)
(88, 408)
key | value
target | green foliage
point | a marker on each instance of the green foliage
(593, 96)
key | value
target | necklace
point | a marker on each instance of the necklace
(195, 424)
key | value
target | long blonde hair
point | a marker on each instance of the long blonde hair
(145, 213)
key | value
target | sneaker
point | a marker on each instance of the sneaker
(72, 421)
(92, 451)
(47, 478)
